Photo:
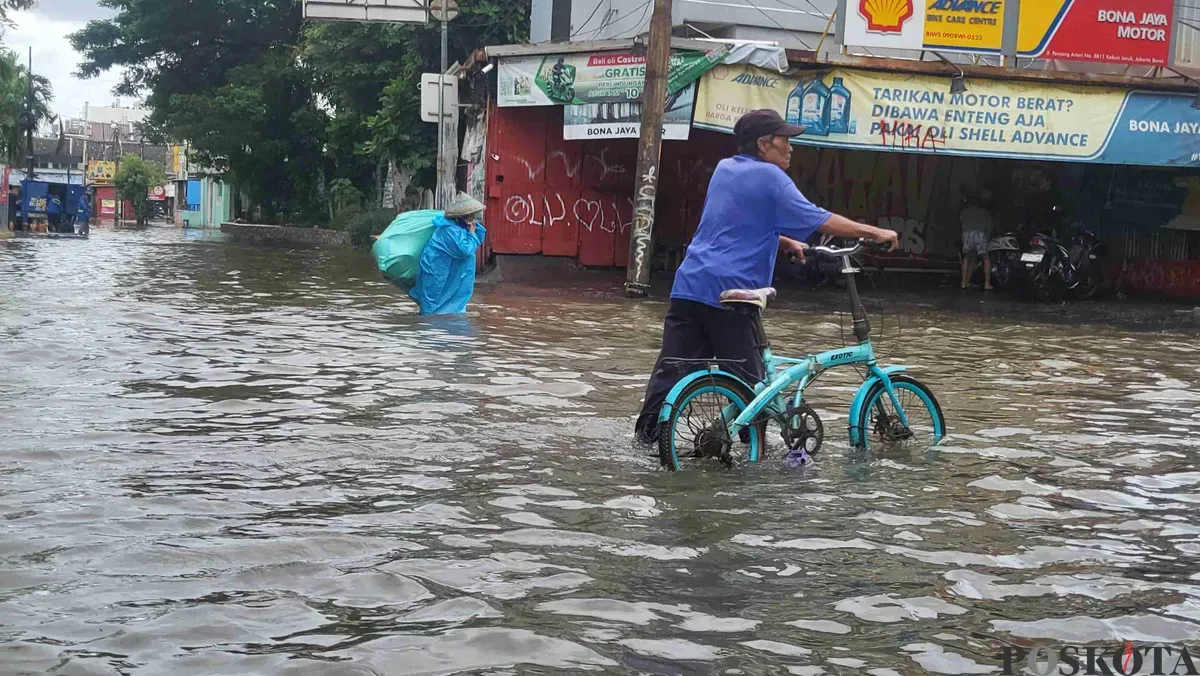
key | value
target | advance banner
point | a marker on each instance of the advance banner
(915, 113)
(606, 77)
(624, 120)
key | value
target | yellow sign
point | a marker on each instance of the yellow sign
(968, 26)
(99, 171)
(177, 160)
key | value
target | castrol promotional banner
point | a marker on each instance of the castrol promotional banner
(1136, 32)
(847, 108)
(592, 78)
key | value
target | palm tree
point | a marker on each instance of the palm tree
(14, 93)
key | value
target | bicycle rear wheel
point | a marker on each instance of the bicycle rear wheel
(879, 424)
(697, 430)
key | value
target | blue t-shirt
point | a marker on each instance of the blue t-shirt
(750, 203)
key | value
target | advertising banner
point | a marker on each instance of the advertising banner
(101, 172)
(607, 77)
(108, 207)
(913, 113)
(624, 120)
(1136, 32)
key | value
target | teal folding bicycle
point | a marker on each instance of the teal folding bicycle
(713, 413)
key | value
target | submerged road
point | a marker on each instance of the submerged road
(217, 459)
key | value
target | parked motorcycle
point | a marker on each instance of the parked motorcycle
(1047, 269)
(1004, 251)
(1054, 271)
(1087, 254)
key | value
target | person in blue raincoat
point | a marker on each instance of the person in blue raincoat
(446, 279)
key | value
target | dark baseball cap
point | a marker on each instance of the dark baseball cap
(762, 122)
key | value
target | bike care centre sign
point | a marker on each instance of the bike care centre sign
(846, 108)
(1137, 32)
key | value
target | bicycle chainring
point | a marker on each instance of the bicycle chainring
(804, 430)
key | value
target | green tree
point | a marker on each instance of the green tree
(7, 6)
(281, 108)
(14, 92)
(371, 73)
(134, 180)
(222, 75)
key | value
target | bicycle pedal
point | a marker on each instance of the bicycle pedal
(799, 458)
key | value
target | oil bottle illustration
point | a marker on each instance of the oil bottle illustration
(808, 104)
(839, 108)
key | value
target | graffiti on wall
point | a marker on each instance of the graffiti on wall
(914, 195)
(606, 166)
(547, 210)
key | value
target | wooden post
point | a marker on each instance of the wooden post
(654, 97)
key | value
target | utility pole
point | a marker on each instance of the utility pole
(116, 169)
(654, 97)
(447, 160)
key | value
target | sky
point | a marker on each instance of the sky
(45, 28)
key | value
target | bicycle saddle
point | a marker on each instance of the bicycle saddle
(759, 298)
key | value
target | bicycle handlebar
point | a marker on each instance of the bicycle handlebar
(859, 245)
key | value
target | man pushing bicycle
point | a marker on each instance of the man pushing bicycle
(753, 210)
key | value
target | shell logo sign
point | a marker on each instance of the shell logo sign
(886, 16)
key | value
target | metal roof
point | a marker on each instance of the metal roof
(1167, 77)
(543, 48)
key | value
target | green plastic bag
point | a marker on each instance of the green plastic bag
(398, 249)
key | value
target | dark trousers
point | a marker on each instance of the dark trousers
(698, 331)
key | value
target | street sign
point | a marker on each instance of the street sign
(429, 99)
(374, 11)
(435, 9)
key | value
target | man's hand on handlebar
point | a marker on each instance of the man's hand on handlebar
(889, 238)
(794, 249)
(840, 226)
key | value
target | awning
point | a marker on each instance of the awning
(902, 112)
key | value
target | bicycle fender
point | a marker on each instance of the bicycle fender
(860, 398)
(668, 406)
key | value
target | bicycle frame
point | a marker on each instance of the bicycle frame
(782, 373)
(769, 394)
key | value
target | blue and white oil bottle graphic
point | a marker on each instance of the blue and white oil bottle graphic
(823, 110)
(839, 108)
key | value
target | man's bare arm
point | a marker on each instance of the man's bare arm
(840, 226)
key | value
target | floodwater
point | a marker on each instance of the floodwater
(217, 459)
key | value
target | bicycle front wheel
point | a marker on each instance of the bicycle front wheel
(881, 428)
(698, 428)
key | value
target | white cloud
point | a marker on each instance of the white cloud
(54, 58)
